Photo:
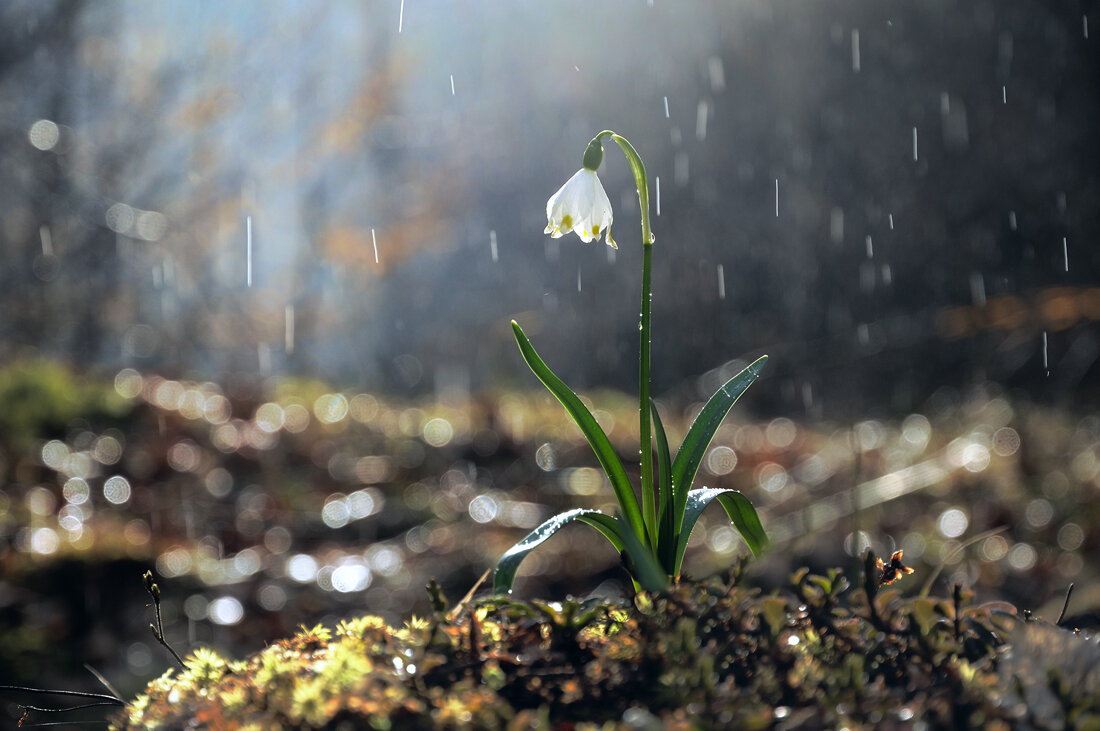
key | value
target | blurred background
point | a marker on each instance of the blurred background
(260, 261)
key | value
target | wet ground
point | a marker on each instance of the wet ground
(264, 506)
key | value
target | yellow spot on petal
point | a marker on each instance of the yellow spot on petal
(566, 222)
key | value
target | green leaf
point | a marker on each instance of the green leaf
(645, 569)
(614, 530)
(593, 432)
(702, 431)
(666, 536)
(738, 508)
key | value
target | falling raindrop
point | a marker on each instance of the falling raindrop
(1046, 362)
(977, 289)
(248, 244)
(777, 197)
(658, 195)
(701, 120)
(721, 282)
(836, 225)
(263, 357)
(47, 240)
(680, 171)
(1012, 220)
(374, 240)
(401, 17)
(493, 244)
(914, 144)
(855, 50)
(288, 336)
(891, 219)
(452, 84)
(578, 279)
(717, 73)
(1085, 25)
(666, 107)
(1004, 95)
(1065, 252)
(870, 248)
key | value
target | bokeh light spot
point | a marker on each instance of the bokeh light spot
(351, 577)
(330, 408)
(335, 513)
(781, 433)
(116, 489)
(302, 568)
(1022, 557)
(225, 610)
(76, 491)
(44, 134)
(271, 597)
(484, 508)
(545, 457)
(44, 541)
(1006, 441)
(128, 383)
(438, 432)
(953, 522)
(721, 461)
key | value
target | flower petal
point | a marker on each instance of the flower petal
(580, 206)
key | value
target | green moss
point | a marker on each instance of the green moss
(712, 654)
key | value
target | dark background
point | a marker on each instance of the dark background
(327, 122)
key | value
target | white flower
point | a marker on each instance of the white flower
(580, 206)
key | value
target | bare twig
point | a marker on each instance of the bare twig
(1069, 593)
(158, 628)
(99, 676)
(469, 595)
(75, 693)
(100, 698)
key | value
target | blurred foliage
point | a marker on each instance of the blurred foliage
(290, 502)
(39, 398)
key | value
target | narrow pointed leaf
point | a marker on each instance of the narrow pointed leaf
(614, 529)
(666, 536)
(702, 431)
(740, 511)
(645, 569)
(593, 432)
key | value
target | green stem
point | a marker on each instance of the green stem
(649, 509)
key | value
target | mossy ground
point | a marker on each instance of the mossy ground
(710, 654)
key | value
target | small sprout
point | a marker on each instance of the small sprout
(894, 570)
(158, 628)
(436, 596)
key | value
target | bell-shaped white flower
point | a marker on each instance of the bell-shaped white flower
(580, 206)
